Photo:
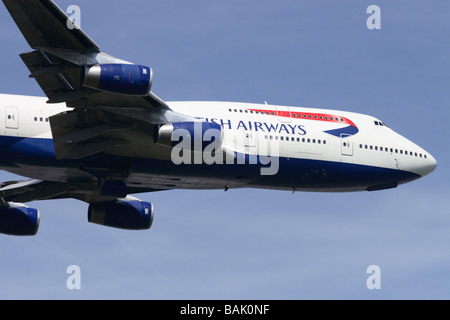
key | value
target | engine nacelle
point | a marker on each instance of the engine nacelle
(127, 79)
(199, 133)
(122, 214)
(19, 220)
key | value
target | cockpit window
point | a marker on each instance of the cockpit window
(379, 123)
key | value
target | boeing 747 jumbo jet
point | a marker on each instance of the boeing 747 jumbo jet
(102, 134)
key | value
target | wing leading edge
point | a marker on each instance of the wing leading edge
(61, 56)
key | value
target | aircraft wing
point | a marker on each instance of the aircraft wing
(100, 120)
(34, 190)
(44, 25)
(59, 54)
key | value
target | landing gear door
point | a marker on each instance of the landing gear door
(346, 145)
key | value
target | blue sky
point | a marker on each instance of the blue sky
(259, 244)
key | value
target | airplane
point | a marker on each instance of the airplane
(101, 135)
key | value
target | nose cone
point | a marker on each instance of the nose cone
(428, 166)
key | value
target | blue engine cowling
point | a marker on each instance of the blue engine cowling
(122, 214)
(200, 134)
(127, 79)
(19, 220)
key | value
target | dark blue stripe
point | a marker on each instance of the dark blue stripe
(293, 172)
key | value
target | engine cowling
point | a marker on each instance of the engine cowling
(122, 214)
(19, 220)
(200, 134)
(127, 79)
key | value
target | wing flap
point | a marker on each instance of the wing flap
(30, 190)
(46, 73)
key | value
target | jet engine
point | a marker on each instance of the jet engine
(199, 133)
(122, 214)
(127, 79)
(19, 220)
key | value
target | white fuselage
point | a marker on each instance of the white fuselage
(335, 138)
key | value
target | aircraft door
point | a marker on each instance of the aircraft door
(12, 118)
(250, 142)
(284, 114)
(346, 145)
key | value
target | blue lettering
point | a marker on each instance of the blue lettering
(301, 129)
(241, 124)
(292, 128)
(283, 127)
(228, 123)
(213, 120)
(271, 127)
(259, 125)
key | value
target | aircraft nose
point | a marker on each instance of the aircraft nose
(430, 165)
